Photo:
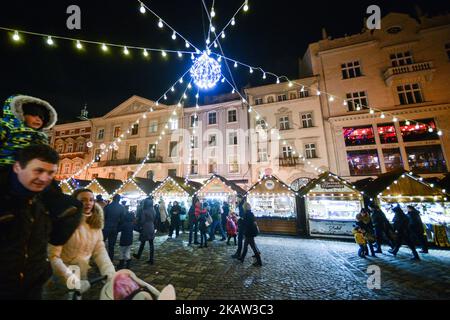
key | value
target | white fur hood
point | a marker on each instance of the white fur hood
(18, 101)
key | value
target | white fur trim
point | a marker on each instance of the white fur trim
(18, 101)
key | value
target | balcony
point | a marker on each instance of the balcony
(290, 162)
(123, 162)
(425, 69)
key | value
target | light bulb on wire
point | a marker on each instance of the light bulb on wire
(79, 45)
(174, 36)
(50, 41)
(213, 13)
(233, 22)
(16, 36)
(188, 45)
(160, 24)
(246, 7)
(223, 35)
(145, 53)
(142, 9)
(104, 47)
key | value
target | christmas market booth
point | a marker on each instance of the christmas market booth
(274, 206)
(69, 186)
(104, 187)
(329, 205)
(220, 189)
(405, 189)
(135, 190)
(176, 189)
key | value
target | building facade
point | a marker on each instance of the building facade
(296, 115)
(402, 71)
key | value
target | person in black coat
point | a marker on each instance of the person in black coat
(241, 228)
(114, 213)
(175, 212)
(193, 223)
(126, 228)
(33, 213)
(225, 213)
(381, 226)
(416, 228)
(250, 232)
(147, 223)
(401, 227)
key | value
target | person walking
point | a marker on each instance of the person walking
(216, 223)
(382, 227)
(401, 227)
(175, 213)
(193, 221)
(202, 217)
(163, 217)
(241, 227)
(364, 223)
(416, 228)
(251, 231)
(231, 226)
(183, 217)
(126, 228)
(225, 213)
(114, 213)
(147, 227)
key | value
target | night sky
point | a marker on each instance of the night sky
(273, 35)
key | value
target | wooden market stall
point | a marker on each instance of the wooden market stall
(135, 190)
(404, 189)
(176, 189)
(274, 206)
(220, 189)
(330, 205)
(105, 187)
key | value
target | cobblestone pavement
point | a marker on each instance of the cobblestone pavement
(293, 269)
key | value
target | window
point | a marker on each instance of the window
(357, 101)
(232, 139)
(258, 101)
(194, 121)
(60, 148)
(351, 70)
(401, 59)
(232, 116)
(419, 131)
(133, 154)
(194, 142)
(97, 155)
(409, 94)
(114, 155)
(233, 164)
(363, 162)
(66, 168)
(69, 148)
(447, 49)
(270, 99)
(194, 167)
(150, 175)
(284, 123)
(173, 124)
(212, 140)
(426, 159)
(72, 132)
(173, 149)
(212, 166)
(387, 133)
(392, 159)
(292, 96)
(307, 120)
(261, 124)
(94, 176)
(152, 150)
(82, 130)
(262, 155)
(172, 172)
(282, 97)
(80, 147)
(100, 134)
(111, 175)
(57, 133)
(153, 128)
(310, 151)
(212, 118)
(135, 130)
(303, 94)
(359, 136)
(287, 152)
(116, 132)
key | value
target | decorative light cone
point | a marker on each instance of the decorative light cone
(206, 72)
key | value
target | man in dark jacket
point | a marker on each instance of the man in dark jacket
(32, 214)
(193, 223)
(225, 212)
(114, 213)
(381, 226)
(416, 228)
(175, 212)
(241, 228)
(401, 227)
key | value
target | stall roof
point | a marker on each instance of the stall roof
(402, 183)
(327, 175)
(445, 182)
(146, 185)
(108, 185)
(279, 187)
(234, 187)
(191, 188)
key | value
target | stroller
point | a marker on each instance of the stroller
(127, 286)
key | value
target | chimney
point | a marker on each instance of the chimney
(324, 34)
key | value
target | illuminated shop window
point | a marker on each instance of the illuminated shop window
(363, 162)
(387, 133)
(419, 131)
(426, 159)
(392, 159)
(359, 136)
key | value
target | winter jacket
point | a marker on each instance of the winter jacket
(148, 221)
(380, 222)
(126, 228)
(26, 228)
(415, 222)
(249, 224)
(14, 134)
(163, 212)
(215, 213)
(401, 223)
(175, 213)
(231, 226)
(203, 216)
(85, 243)
(114, 213)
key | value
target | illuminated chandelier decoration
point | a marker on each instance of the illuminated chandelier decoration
(206, 72)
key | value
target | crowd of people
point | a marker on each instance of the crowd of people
(372, 228)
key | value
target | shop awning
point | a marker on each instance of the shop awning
(219, 185)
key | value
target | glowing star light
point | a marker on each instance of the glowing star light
(206, 72)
